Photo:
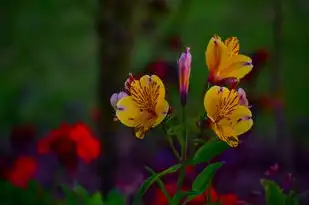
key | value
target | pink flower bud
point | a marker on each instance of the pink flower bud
(184, 70)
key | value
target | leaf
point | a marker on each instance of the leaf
(160, 184)
(203, 181)
(177, 198)
(209, 150)
(292, 199)
(95, 199)
(273, 193)
(150, 180)
(115, 198)
(70, 196)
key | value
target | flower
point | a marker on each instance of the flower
(145, 107)
(116, 97)
(228, 118)
(174, 42)
(224, 199)
(23, 170)
(68, 142)
(242, 97)
(171, 188)
(114, 100)
(224, 61)
(184, 66)
(259, 58)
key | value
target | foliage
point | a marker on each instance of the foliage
(35, 194)
(275, 195)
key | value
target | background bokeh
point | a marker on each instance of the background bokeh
(60, 61)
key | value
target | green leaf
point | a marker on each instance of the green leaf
(177, 198)
(115, 198)
(70, 196)
(150, 180)
(273, 193)
(292, 199)
(209, 150)
(160, 184)
(81, 191)
(95, 199)
(203, 181)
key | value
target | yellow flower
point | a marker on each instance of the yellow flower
(229, 119)
(145, 107)
(224, 61)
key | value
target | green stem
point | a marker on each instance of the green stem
(175, 152)
(185, 145)
(183, 152)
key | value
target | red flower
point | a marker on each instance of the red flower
(22, 171)
(159, 68)
(174, 42)
(88, 147)
(259, 59)
(68, 142)
(226, 199)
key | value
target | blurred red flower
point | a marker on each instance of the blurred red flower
(159, 68)
(70, 142)
(225, 199)
(22, 171)
(259, 58)
(174, 42)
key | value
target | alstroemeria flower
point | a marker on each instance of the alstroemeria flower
(116, 97)
(114, 100)
(228, 118)
(224, 61)
(184, 70)
(145, 107)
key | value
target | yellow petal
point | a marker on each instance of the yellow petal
(232, 44)
(237, 67)
(140, 132)
(127, 112)
(212, 100)
(227, 134)
(161, 111)
(239, 121)
(232, 141)
(216, 53)
(146, 83)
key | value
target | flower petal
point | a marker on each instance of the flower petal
(216, 53)
(127, 112)
(237, 67)
(161, 111)
(113, 100)
(140, 132)
(232, 44)
(239, 121)
(212, 100)
(145, 82)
